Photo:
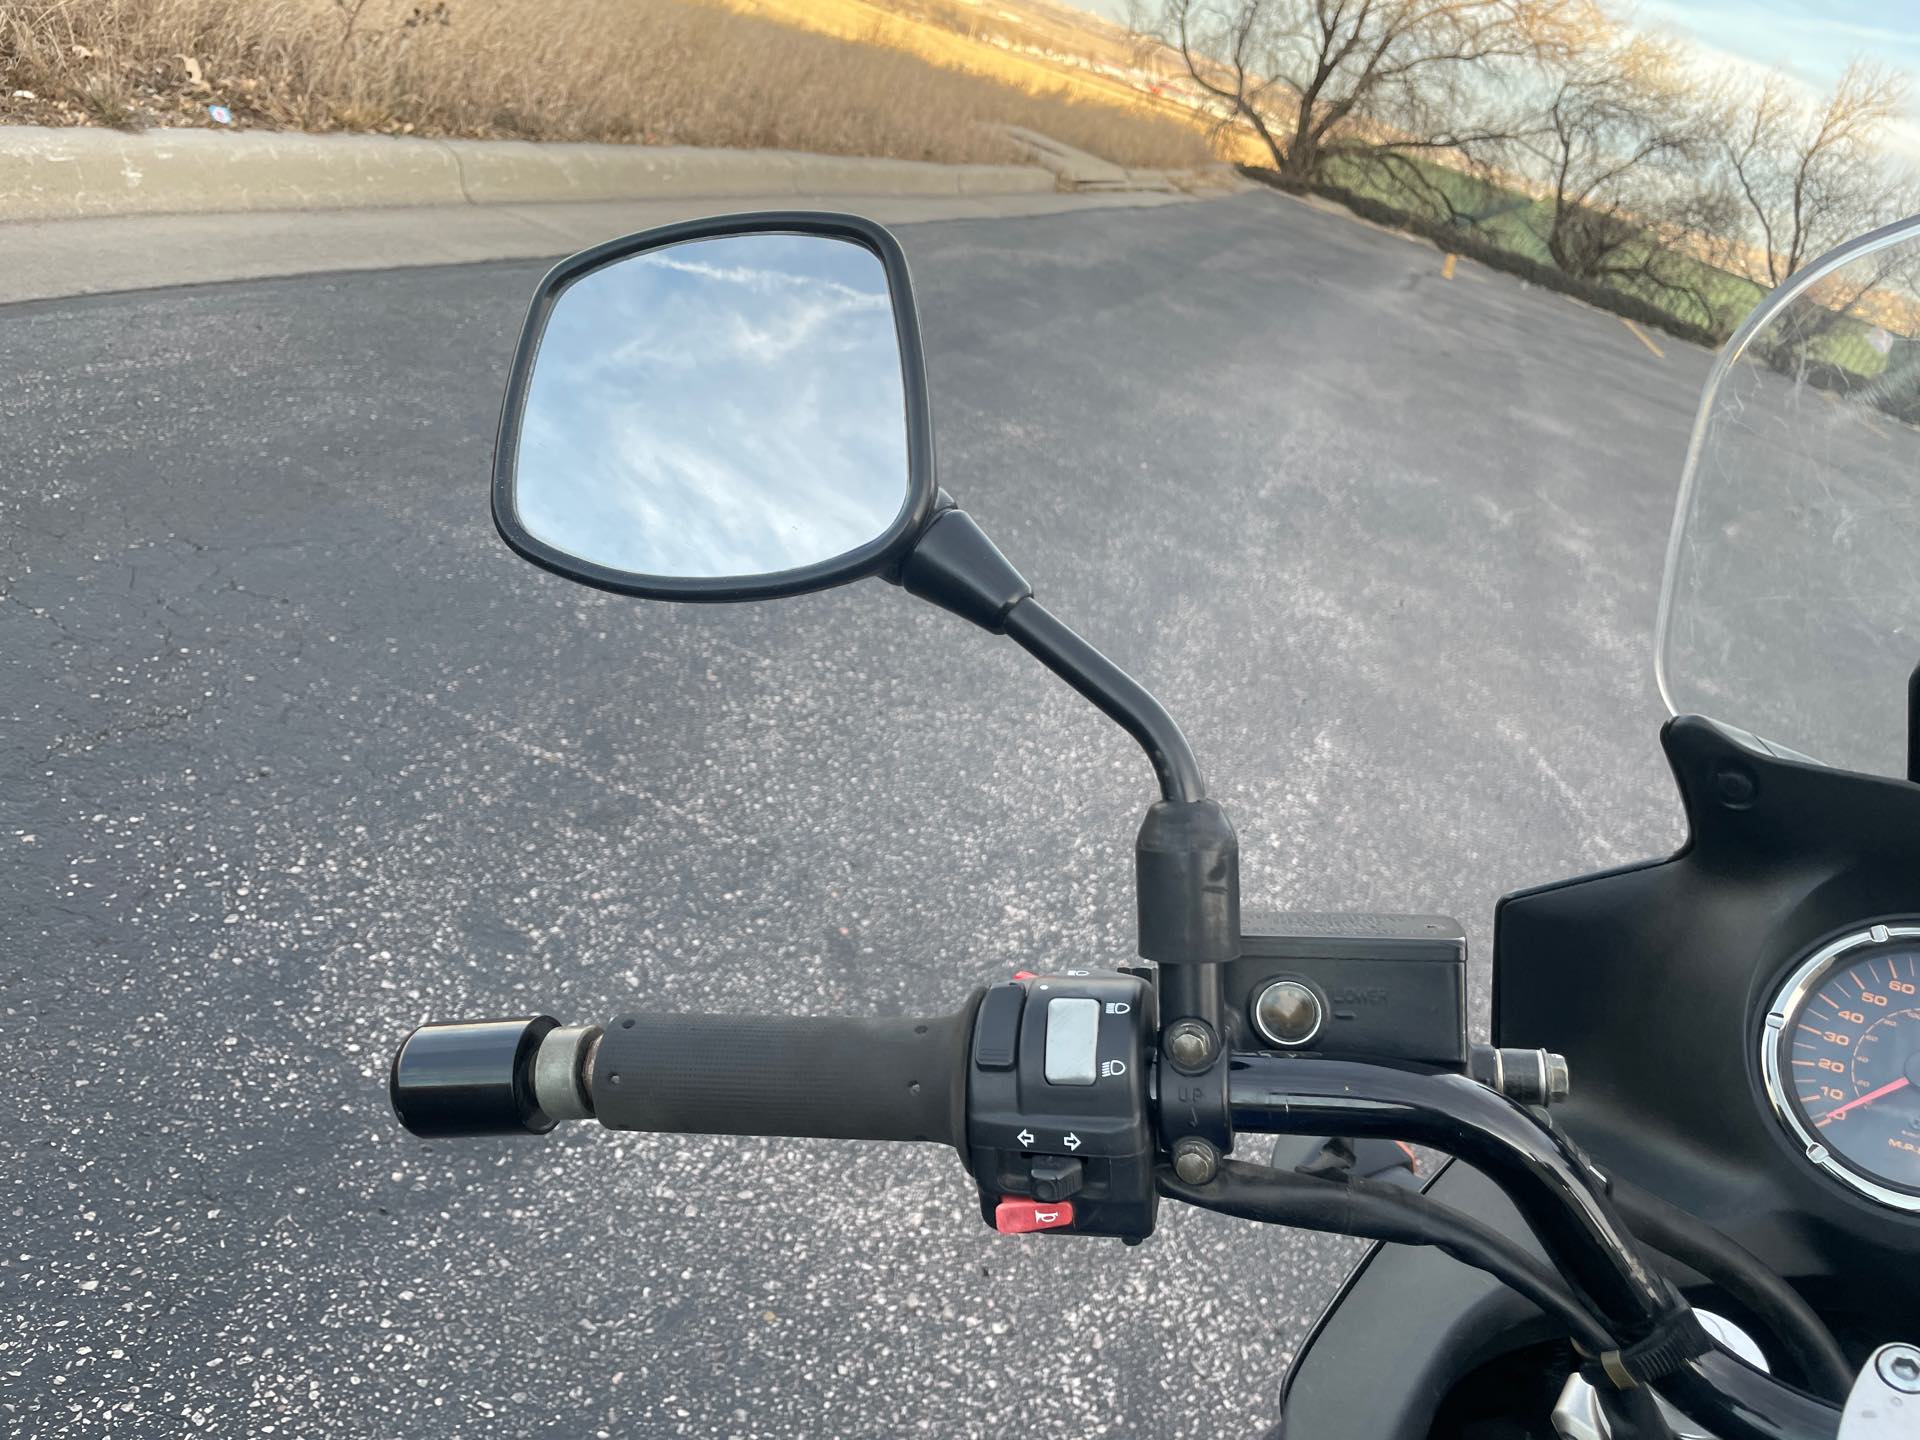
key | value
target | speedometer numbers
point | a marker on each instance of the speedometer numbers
(1840, 1054)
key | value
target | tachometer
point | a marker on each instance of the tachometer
(1840, 1053)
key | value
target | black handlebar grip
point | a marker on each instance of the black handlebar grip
(826, 1077)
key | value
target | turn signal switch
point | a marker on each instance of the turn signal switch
(493, 1077)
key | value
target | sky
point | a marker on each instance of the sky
(723, 407)
(1811, 39)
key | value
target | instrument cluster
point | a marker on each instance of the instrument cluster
(1839, 1053)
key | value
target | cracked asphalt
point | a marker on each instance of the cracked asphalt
(294, 754)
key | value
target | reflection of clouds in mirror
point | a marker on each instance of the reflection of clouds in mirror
(720, 408)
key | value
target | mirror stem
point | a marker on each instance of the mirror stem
(1120, 697)
(958, 568)
(1186, 861)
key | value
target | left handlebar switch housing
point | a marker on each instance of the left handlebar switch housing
(1060, 1135)
(516, 1076)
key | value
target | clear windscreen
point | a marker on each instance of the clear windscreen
(1792, 599)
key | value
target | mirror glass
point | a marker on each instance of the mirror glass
(721, 408)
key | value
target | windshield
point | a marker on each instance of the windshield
(1792, 599)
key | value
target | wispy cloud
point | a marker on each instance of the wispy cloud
(724, 408)
(1812, 41)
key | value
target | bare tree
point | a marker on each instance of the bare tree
(1317, 79)
(1812, 175)
(1616, 146)
(1611, 115)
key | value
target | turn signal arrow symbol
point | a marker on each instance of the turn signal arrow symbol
(1025, 1137)
(1072, 1142)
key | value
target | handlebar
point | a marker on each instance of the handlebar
(981, 1079)
(819, 1077)
(1549, 1182)
(895, 1078)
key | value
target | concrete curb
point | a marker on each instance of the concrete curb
(1077, 170)
(59, 174)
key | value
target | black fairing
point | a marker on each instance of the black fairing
(1654, 982)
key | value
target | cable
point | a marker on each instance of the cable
(1376, 1211)
(1736, 1270)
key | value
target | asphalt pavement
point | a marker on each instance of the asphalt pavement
(294, 754)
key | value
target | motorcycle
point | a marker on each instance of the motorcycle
(1682, 1186)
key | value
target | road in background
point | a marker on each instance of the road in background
(294, 754)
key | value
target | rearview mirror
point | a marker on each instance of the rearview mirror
(730, 409)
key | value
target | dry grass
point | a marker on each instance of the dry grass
(667, 72)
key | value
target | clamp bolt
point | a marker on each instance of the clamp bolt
(1195, 1160)
(1189, 1045)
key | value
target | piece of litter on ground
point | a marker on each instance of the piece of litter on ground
(221, 114)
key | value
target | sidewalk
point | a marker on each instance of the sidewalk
(86, 211)
(49, 174)
(47, 259)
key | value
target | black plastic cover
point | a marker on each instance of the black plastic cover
(1654, 981)
(1394, 986)
(1408, 1325)
(954, 565)
(1187, 875)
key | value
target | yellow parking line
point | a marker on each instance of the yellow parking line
(1446, 270)
(1641, 336)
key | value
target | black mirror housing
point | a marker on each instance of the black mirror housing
(873, 554)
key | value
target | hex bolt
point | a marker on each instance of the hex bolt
(1529, 1077)
(1195, 1160)
(1189, 1045)
(1899, 1366)
(1559, 1078)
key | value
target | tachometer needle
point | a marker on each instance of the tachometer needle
(1871, 1095)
